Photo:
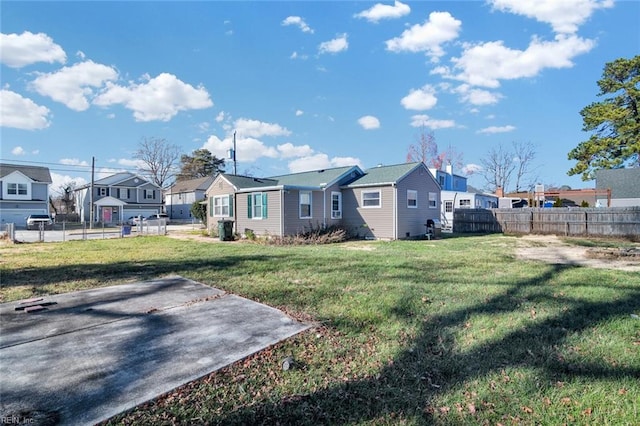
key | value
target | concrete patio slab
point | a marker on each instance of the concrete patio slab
(90, 355)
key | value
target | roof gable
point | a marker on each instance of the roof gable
(123, 179)
(386, 175)
(247, 182)
(35, 173)
(319, 178)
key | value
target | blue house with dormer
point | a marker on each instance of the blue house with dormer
(456, 194)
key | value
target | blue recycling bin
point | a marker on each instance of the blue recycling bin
(126, 230)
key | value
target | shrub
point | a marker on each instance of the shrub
(320, 235)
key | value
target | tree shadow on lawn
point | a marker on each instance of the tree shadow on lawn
(120, 271)
(431, 366)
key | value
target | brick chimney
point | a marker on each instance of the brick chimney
(499, 192)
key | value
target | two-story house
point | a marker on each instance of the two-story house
(24, 190)
(117, 198)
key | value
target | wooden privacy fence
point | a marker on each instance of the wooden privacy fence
(611, 221)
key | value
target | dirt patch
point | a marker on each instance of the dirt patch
(551, 249)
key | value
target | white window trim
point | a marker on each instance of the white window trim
(433, 200)
(255, 195)
(336, 214)
(377, 191)
(222, 199)
(310, 205)
(412, 194)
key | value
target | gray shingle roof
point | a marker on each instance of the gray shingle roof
(247, 182)
(316, 178)
(192, 185)
(36, 173)
(384, 175)
(624, 183)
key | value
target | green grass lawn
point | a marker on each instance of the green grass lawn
(453, 331)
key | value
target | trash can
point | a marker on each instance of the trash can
(126, 230)
(225, 230)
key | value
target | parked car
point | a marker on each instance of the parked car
(158, 216)
(34, 221)
(135, 220)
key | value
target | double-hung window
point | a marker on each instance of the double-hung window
(305, 204)
(222, 205)
(465, 203)
(257, 205)
(336, 205)
(371, 199)
(17, 189)
(412, 199)
(433, 200)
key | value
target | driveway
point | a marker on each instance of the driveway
(83, 357)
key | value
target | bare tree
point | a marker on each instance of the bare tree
(158, 158)
(65, 198)
(525, 153)
(497, 168)
(426, 151)
(502, 164)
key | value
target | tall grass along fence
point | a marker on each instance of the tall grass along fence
(598, 222)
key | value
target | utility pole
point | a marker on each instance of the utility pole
(232, 154)
(235, 171)
(93, 169)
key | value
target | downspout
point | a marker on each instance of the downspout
(324, 206)
(282, 212)
(395, 211)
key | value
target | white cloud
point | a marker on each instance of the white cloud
(220, 117)
(426, 121)
(336, 45)
(321, 161)
(471, 168)
(289, 150)
(22, 113)
(255, 128)
(476, 96)
(564, 16)
(61, 181)
(369, 122)
(486, 64)
(73, 85)
(16, 51)
(298, 22)
(420, 99)
(381, 11)
(429, 37)
(248, 149)
(73, 162)
(299, 112)
(129, 163)
(158, 98)
(496, 129)
(18, 150)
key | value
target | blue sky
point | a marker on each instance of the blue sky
(305, 85)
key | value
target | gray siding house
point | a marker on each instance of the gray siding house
(118, 197)
(182, 194)
(391, 202)
(24, 190)
(388, 202)
(624, 185)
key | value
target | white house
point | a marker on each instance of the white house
(24, 190)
